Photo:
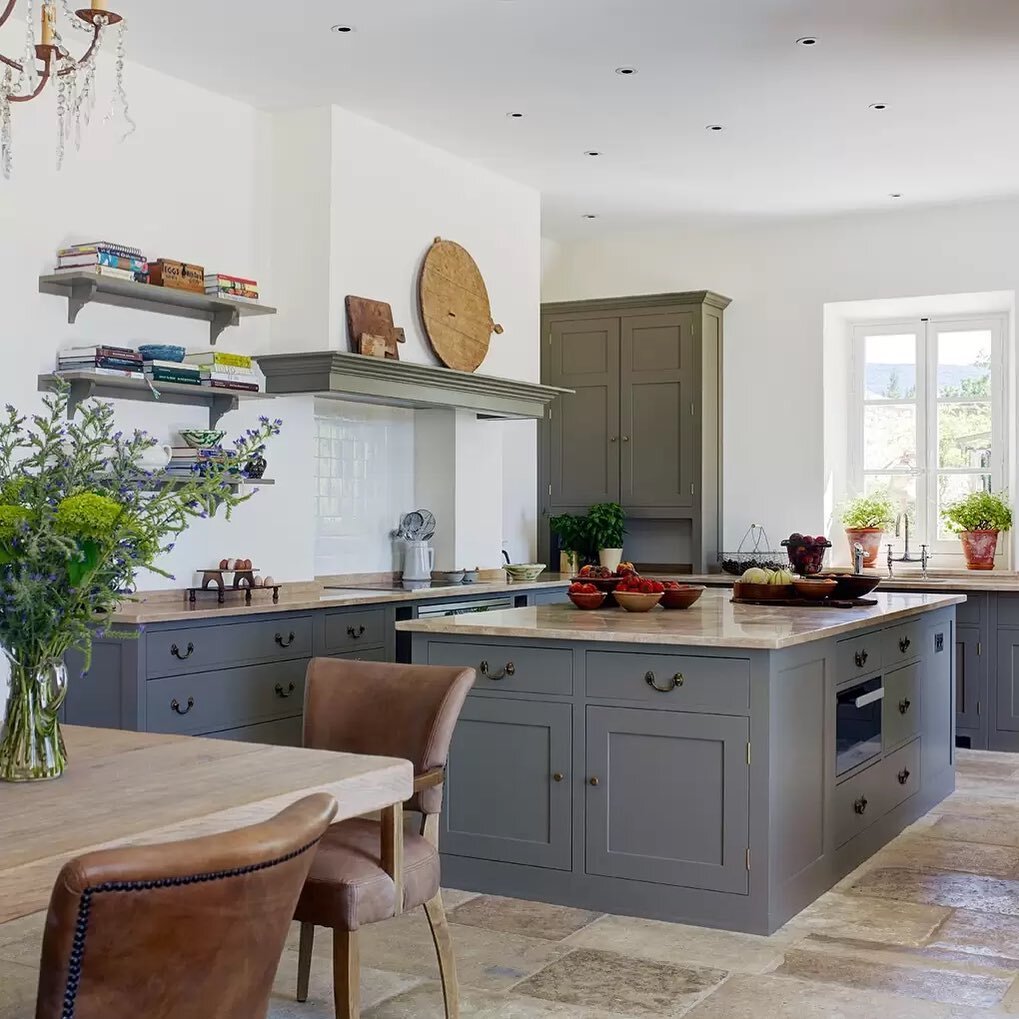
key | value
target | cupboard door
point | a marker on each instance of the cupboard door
(584, 429)
(508, 783)
(1007, 680)
(668, 797)
(969, 677)
(658, 413)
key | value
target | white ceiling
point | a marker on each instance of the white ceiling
(799, 137)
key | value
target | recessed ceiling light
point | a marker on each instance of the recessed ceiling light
(895, 194)
(878, 106)
(713, 127)
(589, 215)
(592, 152)
(626, 70)
(806, 40)
(514, 116)
(343, 28)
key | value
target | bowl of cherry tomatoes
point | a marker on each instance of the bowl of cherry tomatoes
(586, 596)
(638, 594)
(680, 596)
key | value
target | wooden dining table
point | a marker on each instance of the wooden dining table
(123, 788)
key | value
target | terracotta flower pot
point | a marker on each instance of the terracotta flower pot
(979, 547)
(869, 538)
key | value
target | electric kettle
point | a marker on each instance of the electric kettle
(418, 560)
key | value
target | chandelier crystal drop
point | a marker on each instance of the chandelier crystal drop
(47, 58)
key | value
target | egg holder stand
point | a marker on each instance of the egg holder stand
(244, 580)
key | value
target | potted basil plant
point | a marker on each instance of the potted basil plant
(605, 527)
(865, 520)
(572, 534)
(978, 519)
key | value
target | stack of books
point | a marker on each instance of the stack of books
(235, 287)
(221, 370)
(102, 359)
(185, 460)
(104, 258)
(173, 371)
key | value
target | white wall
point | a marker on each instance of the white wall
(189, 184)
(779, 276)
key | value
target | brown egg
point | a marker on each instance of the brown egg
(247, 564)
(224, 564)
(270, 581)
(258, 582)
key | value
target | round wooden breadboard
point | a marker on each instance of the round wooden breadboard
(454, 306)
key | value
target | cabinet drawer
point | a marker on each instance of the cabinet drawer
(371, 654)
(859, 655)
(679, 682)
(226, 699)
(902, 774)
(900, 713)
(283, 732)
(858, 802)
(972, 610)
(509, 668)
(194, 648)
(902, 643)
(348, 631)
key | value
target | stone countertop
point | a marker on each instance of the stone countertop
(172, 606)
(974, 582)
(713, 622)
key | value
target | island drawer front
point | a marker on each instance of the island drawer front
(509, 668)
(859, 655)
(281, 732)
(679, 682)
(900, 713)
(226, 699)
(902, 774)
(348, 631)
(859, 801)
(192, 649)
(903, 643)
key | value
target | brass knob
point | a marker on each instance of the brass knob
(593, 780)
(558, 777)
(626, 438)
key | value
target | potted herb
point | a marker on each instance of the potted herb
(573, 541)
(979, 518)
(865, 520)
(79, 517)
(605, 528)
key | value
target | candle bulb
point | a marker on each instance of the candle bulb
(49, 20)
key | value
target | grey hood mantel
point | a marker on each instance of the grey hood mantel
(342, 376)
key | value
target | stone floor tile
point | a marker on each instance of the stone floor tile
(678, 943)
(932, 851)
(516, 916)
(857, 916)
(990, 831)
(617, 983)
(932, 983)
(21, 940)
(911, 955)
(989, 763)
(18, 986)
(783, 997)
(982, 934)
(972, 891)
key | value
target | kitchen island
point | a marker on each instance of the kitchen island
(721, 766)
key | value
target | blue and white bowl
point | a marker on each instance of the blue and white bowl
(161, 352)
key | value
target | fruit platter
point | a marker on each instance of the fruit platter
(598, 587)
(759, 586)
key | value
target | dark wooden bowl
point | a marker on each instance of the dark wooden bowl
(682, 598)
(761, 592)
(816, 590)
(851, 585)
(586, 600)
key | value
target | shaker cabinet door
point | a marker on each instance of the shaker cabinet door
(970, 676)
(1008, 680)
(584, 429)
(508, 782)
(668, 797)
(658, 413)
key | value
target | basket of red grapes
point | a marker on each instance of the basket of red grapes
(806, 554)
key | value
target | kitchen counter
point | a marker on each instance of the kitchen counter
(713, 622)
(173, 606)
(963, 580)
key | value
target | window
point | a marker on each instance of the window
(927, 417)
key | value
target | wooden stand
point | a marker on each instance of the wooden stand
(244, 580)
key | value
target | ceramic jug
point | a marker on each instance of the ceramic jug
(418, 560)
(155, 458)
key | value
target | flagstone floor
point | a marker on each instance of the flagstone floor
(926, 929)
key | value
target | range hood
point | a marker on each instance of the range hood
(344, 376)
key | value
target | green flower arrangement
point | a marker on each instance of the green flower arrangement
(79, 518)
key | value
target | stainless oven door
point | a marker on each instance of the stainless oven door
(858, 724)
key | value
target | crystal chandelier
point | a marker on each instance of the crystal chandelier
(47, 59)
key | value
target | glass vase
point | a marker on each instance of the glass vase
(31, 744)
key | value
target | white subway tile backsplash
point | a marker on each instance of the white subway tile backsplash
(365, 483)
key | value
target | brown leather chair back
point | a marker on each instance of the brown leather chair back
(179, 930)
(406, 711)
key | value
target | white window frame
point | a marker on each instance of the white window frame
(926, 330)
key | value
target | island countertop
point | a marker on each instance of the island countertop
(713, 622)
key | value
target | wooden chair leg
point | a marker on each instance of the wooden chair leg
(304, 960)
(444, 950)
(346, 974)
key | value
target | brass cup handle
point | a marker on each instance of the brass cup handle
(594, 780)
(175, 651)
(508, 670)
(674, 683)
(291, 637)
(861, 659)
(904, 705)
(175, 706)
(904, 644)
(558, 776)
(860, 805)
(280, 692)
(904, 776)
(355, 633)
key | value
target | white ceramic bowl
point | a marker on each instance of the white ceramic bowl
(525, 571)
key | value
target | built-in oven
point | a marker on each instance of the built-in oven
(858, 724)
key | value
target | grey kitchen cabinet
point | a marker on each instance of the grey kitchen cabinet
(645, 824)
(1007, 685)
(970, 683)
(643, 427)
(509, 784)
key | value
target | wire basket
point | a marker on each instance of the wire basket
(754, 552)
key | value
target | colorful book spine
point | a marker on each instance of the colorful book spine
(106, 259)
(221, 359)
(97, 270)
(101, 362)
(161, 375)
(104, 350)
(220, 278)
(90, 247)
(244, 387)
(225, 374)
(121, 373)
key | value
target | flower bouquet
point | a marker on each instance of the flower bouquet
(79, 517)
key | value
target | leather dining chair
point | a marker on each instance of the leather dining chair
(180, 930)
(365, 870)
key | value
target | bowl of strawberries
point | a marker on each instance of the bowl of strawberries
(586, 596)
(638, 594)
(680, 596)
